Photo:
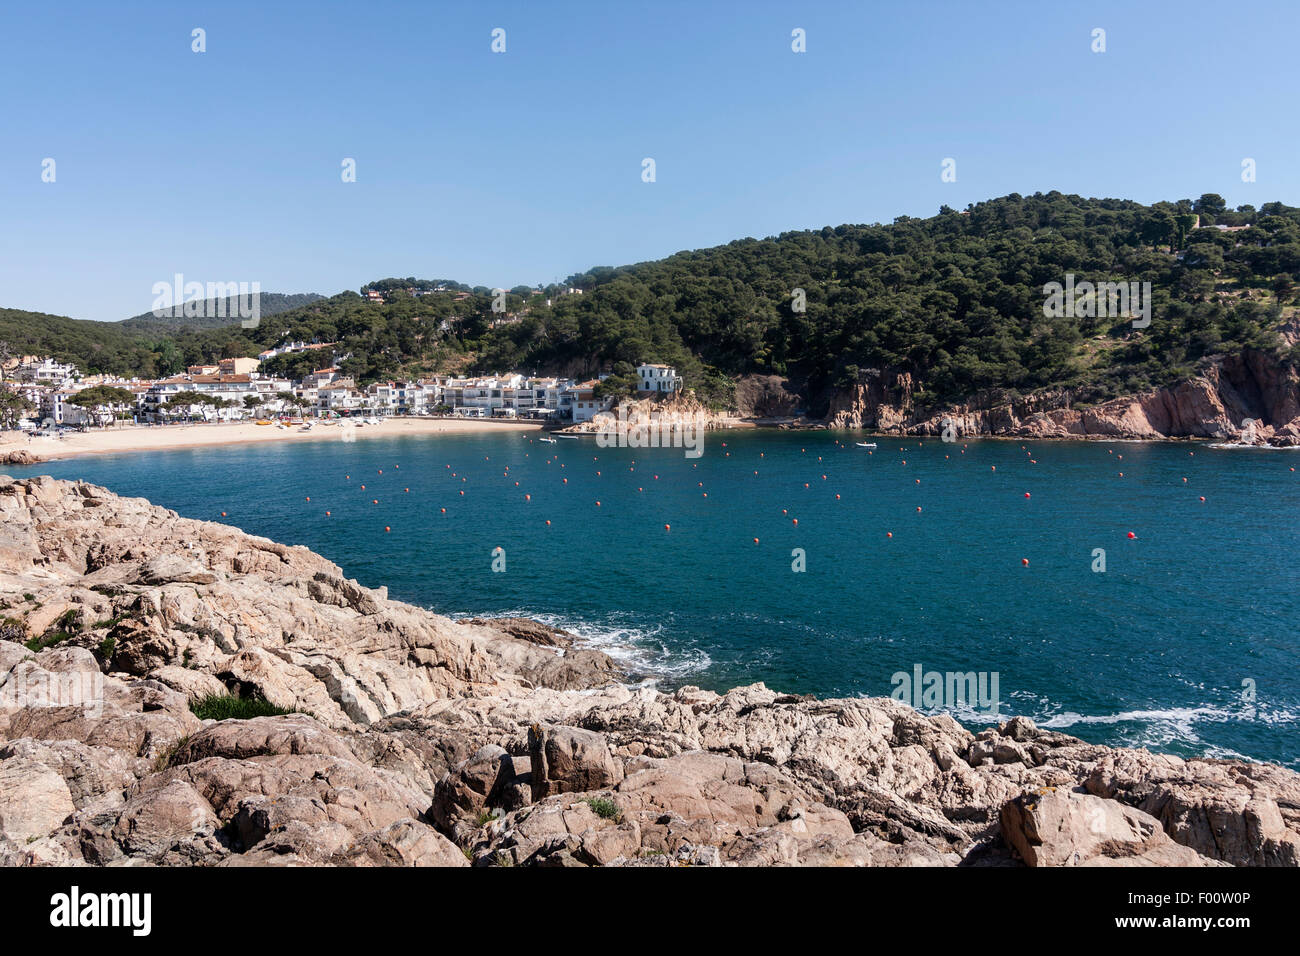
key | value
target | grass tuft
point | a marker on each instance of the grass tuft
(229, 707)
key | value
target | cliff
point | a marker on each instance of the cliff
(1213, 404)
(425, 741)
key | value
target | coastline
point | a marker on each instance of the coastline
(499, 742)
(135, 438)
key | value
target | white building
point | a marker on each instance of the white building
(49, 372)
(658, 379)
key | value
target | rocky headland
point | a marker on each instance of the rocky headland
(418, 740)
(1215, 404)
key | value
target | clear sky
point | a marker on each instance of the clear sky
(522, 167)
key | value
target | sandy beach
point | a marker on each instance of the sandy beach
(125, 438)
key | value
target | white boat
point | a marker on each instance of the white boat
(549, 441)
(562, 435)
(866, 444)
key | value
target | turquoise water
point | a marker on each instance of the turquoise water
(1153, 651)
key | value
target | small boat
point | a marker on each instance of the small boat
(264, 421)
(549, 441)
(865, 444)
(562, 435)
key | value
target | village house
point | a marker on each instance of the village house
(658, 379)
(238, 366)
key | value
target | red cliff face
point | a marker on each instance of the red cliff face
(1215, 404)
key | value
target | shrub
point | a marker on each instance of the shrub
(604, 808)
(229, 707)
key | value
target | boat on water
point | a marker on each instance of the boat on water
(549, 441)
(865, 444)
(562, 435)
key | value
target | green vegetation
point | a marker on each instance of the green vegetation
(93, 346)
(64, 628)
(12, 408)
(955, 300)
(106, 648)
(604, 808)
(98, 396)
(229, 707)
(165, 758)
(216, 313)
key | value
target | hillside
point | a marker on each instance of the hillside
(216, 313)
(92, 346)
(952, 303)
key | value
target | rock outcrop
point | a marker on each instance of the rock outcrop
(419, 741)
(19, 456)
(1214, 404)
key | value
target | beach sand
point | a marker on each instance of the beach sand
(99, 441)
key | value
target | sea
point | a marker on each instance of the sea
(1130, 594)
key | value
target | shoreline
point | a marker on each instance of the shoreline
(143, 438)
(330, 683)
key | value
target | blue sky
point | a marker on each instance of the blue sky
(502, 169)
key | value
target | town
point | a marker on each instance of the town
(43, 394)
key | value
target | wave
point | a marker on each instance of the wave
(1180, 716)
(1255, 447)
(636, 649)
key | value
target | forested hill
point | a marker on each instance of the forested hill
(955, 299)
(215, 313)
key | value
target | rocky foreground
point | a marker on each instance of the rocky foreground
(425, 741)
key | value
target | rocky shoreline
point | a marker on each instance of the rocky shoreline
(418, 740)
(1215, 404)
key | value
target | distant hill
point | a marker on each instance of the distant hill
(216, 314)
(92, 346)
